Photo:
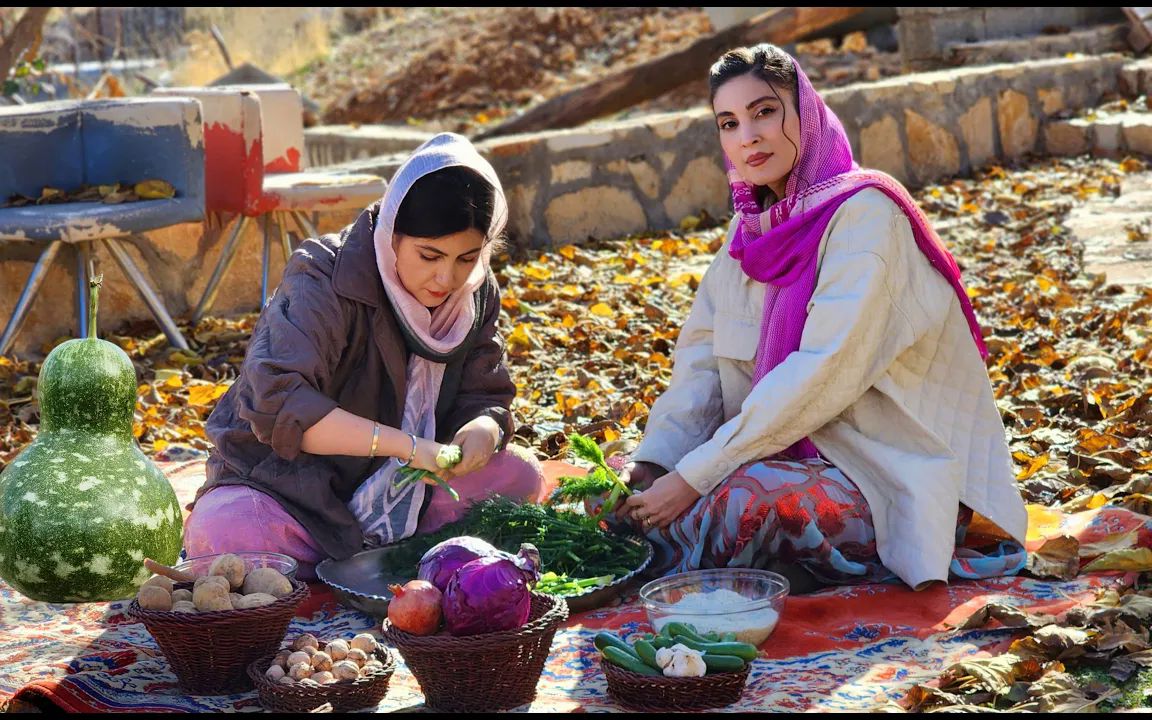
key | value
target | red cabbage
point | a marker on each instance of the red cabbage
(444, 559)
(488, 594)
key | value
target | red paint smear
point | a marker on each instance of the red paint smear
(233, 177)
(289, 162)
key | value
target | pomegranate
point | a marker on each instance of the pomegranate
(415, 607)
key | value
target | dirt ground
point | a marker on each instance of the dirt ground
(460, 69)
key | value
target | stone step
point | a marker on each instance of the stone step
(1112, 37)
(1111, 134)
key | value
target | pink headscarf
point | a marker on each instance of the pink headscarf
(779, 246)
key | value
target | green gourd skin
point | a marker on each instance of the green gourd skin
(82, 506)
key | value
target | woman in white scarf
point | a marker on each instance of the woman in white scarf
(379, 347)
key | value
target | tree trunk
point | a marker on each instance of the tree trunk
(651, 79)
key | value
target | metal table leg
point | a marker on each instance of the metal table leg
(267, 220)
(124, 260)
(305, 224)
(285, 241)
(31, 287)
(83, 273)
(227, 255)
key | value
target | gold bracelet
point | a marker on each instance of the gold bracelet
(375, 439)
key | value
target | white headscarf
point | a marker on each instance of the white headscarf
(386, 514)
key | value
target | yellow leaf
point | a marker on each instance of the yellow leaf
(1034, 466)
(572, 291)
(202, 395)
(568, 321)
(611, 435)
(159, 445)
(521, 336)
(1133, 559)
(568, 251)
(602, 310)
(175, 381)
(538, 273)
(155, 190)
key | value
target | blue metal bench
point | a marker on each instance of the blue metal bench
(67, 144)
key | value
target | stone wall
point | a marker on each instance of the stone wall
(649, 173)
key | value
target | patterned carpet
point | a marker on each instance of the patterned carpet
(836, 650)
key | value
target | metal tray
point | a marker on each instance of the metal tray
(361, 581)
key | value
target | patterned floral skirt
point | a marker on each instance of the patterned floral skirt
(807, 514)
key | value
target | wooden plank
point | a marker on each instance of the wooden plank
(630, 86)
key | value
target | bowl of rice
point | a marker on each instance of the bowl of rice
(743, 602)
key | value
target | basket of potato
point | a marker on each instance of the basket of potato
(346, 673)
(211, 627)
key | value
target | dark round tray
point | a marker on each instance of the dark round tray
(361, 581)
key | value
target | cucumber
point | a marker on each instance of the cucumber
(685, 630)
(604, 640)
(647, 652)
(628, 661)
(723, 663)
(744, 651)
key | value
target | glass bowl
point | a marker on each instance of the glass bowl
(743, 601)
(198, 566)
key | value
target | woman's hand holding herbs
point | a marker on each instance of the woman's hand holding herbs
(431, 458)
(478, 440)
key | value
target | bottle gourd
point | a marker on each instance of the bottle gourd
(82, 506)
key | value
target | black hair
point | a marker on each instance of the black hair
(447, 201)
(766, 62)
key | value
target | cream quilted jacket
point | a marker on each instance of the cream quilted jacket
(887, 383)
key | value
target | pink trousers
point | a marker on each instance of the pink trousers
(235, 518)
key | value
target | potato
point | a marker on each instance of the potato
(357, 656)
(181, 595)
(159, 581)
(324, 677)
(300, 671)
(154, 597)
(255, 600)
(211, 597)
(231, 567)
(184, 606)
(299, 657)
(274, 673)
(212, 580)
(267, 580)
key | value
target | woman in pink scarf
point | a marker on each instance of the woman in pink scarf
(829, 411)
(379, 346)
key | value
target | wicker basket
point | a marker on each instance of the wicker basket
(364, 692)
(210, 651)
(491, 671)
(649, 693)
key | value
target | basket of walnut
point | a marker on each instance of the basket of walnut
(348, 674)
